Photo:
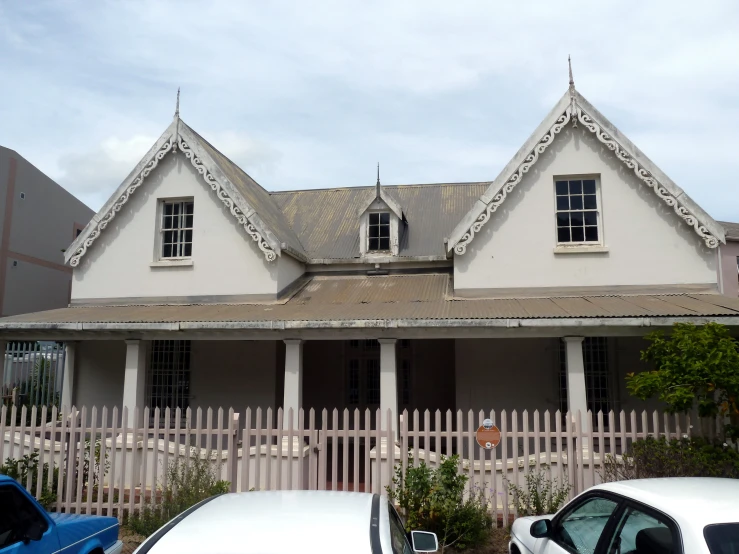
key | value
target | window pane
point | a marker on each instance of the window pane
(188, 221)
(167, 251)
(576, 218)
(385, 243)
(385, 231)
(722, 538)
(590, 218)
(588, 186)
(384, 217)
(561, 187)
(374, 244)
(563, 234)
(581, 529)
(576, 202)
(590, 202)
(188, 208)
(167, 223)
(640, 532)
(374, 219)
(374, 231)
(575, 187)
(563, 220)
(578, 234)
(188, 250)
(591, 234)
(188, 236)
(563, 203)
(176, 209)
(167, 208)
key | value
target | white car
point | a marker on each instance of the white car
(681, 515)
(277, 522)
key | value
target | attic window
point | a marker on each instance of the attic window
(379, 231)
(176, 229)
(578, 219)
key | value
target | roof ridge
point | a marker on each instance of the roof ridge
(359, 187)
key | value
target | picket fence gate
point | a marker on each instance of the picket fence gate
(109, 466)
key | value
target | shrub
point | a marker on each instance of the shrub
(434, 500)
(540, 495)
(187, 484)
(19, 469)
(687, 457)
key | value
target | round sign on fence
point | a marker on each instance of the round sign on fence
(488, 435)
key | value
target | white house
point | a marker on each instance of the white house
(194, 286)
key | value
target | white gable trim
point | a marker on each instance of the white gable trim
(576, 109)
(169, 142)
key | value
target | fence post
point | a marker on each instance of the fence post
(233, 455)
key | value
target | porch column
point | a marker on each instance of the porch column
(293, 395)
(388, 382)
(3, 345)
(70, 351)
(135, 378)
(576, 391)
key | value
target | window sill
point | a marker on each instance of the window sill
(171, 263)
(581, 249)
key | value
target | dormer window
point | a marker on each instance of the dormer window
(379, 231)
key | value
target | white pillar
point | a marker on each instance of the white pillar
(388, 382)
(70, 351)
(134, 380)
(3, 346)
(576, 390)
(293, 395)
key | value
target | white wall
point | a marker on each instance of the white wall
(99, 374)
(506, 374)
(233, 374)
(226, 261)
(648, 244)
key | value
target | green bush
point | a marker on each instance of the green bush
(540, 495)
(687, 457)
(434, 500)
(19, 469)
(187, 484)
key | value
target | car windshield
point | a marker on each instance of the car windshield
(722, 538)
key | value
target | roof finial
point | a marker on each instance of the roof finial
(572, 81)
(177, 108)
(377, 186)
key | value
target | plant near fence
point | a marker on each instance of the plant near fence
(433, 499)
(93, 467)
(19, 469)
(686, 457)
(188, 482)
(540, 494)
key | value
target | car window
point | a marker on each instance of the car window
(398, 538)
(722, 538)
(579, 530)
(639, 532)
(17, 516)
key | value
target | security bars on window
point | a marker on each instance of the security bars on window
(379, 231)
(177, 222)
(595, 359)
(169, 374)
(363, 365)
(577, 211)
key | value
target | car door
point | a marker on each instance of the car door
(642, 530)
(579, 528)
(19, 518)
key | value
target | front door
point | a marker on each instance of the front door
(363, 376)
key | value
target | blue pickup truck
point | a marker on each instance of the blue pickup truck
(26, 528)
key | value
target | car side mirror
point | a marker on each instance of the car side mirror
(541, 528)
(34, 532)
(423, 541)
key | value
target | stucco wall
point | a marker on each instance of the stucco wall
(31, 287)
(99, 374)
(729, 254)
(226, 261)
(648, 244)
(233, 374)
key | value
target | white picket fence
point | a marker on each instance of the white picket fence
(265, 450)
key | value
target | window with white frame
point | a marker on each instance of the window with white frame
(597, 388)
(578, 217)
(169, 374)
(378, 231)
(176, 229)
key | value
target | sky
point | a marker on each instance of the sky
(315, 94)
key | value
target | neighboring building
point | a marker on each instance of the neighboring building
(38, 219)
(195, 287)
(729, 253)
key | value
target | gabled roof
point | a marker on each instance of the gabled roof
(328, 226)
(382, 194)
(574, 108)
(248, 202)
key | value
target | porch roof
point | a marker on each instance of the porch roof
(380, 302)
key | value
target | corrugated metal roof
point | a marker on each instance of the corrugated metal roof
(394, 297)
(327, 221)
(731, 229)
